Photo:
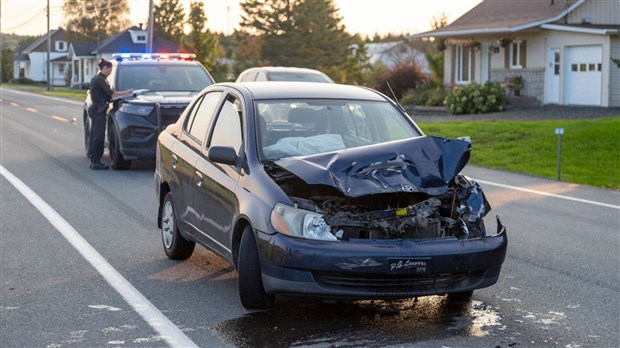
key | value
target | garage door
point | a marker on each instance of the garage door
(583, 79)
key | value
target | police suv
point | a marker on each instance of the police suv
(163, 84)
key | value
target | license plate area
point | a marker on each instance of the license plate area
(410, 265)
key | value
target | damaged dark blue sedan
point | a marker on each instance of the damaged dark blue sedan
(323, 191)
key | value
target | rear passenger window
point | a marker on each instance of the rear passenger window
(199, 121)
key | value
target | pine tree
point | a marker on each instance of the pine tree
(95, 20)
(169, 19)
(305, 33)
(200, 40)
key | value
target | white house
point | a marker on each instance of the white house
(562, 49)
(31, 62)
(394, 52)
(84, 57)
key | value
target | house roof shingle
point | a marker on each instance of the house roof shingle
(122, 42)
(36, 45)
(501, 16)
(83, 49)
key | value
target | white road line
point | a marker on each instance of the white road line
(170, 332)
(549, 194)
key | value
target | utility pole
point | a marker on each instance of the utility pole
(149, 34)
(49, 48)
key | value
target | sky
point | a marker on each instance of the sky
(365, 17)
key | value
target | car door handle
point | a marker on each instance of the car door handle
(175, 159)
(198, 178)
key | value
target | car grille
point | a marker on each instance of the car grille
(398, 284)
(170, 114)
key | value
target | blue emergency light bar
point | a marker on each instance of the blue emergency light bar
(153, 56)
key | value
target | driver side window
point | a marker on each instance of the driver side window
(227, 130)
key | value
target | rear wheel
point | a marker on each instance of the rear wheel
(175, 246)
(251, 290)
(117, 161)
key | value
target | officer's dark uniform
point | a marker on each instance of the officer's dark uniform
(100, 94)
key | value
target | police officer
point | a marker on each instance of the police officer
(100, 94)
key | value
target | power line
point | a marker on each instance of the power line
(27, 22)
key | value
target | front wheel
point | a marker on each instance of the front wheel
(251, 290)
(175, 246)
(117, 161)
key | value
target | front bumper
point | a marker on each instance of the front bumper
(370, 269)
(138, 134)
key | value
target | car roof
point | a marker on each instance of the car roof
(294, 89)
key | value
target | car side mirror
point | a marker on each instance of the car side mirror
(223, 154)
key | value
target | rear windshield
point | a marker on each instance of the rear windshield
(162, 77)
(289, 76)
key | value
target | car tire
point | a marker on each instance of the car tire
(175, 246)
(87, 125)
(117, 161)
(251, 290)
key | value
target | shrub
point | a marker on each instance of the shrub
(475, 98)
(23, 81)
(404, 76)
(427, 95)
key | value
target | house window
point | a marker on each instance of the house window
(61, 46)
(141, 38)
(515, 55)
(464, 64)
(61, 68)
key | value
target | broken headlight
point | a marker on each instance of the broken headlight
(300, 223)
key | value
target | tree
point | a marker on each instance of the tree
(357, 69)
(6, 64)
(305, 33)
(169, 19)
(200, 40)
(435, 57)
(94, 20)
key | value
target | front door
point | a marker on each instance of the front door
(553, 76)
(485, 62)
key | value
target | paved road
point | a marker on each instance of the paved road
(560, 283)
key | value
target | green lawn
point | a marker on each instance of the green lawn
(62, 92)
(590, 148)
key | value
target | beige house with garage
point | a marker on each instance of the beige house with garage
(561, 49)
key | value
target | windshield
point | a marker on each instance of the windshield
(161, 77)
(310, 126)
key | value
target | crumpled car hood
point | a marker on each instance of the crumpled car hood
(423, 164)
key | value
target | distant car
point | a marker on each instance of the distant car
(280, 73)
(164, 84)
(323, 191)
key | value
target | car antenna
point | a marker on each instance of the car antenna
(394, 95)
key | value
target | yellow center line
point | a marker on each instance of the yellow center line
(59, 118)
(14, 104)
(32, 110)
